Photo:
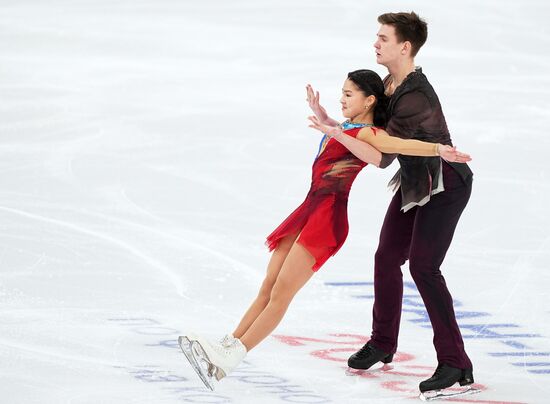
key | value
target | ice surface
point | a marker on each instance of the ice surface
(148, 147)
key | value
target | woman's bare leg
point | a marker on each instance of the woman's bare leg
(273, 268)
(295, 272)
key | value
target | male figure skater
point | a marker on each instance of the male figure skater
(423, 214)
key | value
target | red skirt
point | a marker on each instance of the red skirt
(322, 222)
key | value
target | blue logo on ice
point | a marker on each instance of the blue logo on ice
(504, 333)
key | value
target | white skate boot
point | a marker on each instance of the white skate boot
(223, 358)
(212, 360)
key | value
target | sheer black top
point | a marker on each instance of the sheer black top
(414, 112)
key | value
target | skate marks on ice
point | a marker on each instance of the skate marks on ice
(401, 378)
(107, 238)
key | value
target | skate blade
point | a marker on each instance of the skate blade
(442, 394)
(196, 356)
(212, 370)
(359, 372)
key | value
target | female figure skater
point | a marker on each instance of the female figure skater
(318, 227)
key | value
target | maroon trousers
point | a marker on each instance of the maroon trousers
(422, 235)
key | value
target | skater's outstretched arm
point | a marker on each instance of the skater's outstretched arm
(367, 141)
(381, 140)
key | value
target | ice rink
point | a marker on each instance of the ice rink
(148, 147)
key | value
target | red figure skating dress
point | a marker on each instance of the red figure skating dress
(322, 219)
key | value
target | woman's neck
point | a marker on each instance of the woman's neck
(362, 121)
(366, 118)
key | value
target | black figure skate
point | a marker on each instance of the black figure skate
(444, 377)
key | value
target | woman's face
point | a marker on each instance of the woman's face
(354, 101)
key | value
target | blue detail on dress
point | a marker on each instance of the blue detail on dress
(345, 126)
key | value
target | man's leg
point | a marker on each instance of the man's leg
(433, 232)
(393, 251)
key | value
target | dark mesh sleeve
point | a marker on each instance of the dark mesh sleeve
(409, 113)
(386, 160)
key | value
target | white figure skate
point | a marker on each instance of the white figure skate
(212, 360)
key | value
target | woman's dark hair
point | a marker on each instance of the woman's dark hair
(370, 83)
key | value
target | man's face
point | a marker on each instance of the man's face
(388, 48)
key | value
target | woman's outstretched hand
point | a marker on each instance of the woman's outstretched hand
(449, 153)
(330, 130)
(318, 110)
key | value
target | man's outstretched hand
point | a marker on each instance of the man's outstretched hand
(449, 153)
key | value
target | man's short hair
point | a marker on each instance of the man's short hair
(408, 27)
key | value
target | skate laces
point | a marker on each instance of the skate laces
(227, 340)
(438, 370)
(222, 349)
(365, 351)
(229, 349)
